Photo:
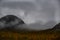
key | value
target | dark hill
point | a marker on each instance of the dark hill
(56, 27)
(10, 21)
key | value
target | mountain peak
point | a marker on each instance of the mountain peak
(10, 21)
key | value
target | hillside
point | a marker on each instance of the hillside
(10, 21)
(57, 27)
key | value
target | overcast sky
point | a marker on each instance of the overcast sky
(32, 11)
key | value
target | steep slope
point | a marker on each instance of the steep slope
(56, 27)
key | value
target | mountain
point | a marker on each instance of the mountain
(56, 27)
(10, 21)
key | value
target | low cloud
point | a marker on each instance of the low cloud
(32, 12)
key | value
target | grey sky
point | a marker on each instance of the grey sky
(32, 11)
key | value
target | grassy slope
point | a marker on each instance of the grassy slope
(30, 35)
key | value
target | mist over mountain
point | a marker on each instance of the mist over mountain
(32, 12)
(39, 26)
(13, 22)
(10, 21)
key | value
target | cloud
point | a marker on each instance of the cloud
(42, 11)
(34, 11)
(18, 0)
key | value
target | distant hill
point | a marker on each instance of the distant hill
(10, 21)
(56, 27)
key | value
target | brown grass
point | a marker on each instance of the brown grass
(32, 35)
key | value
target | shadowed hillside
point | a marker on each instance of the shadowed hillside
(57, 27)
